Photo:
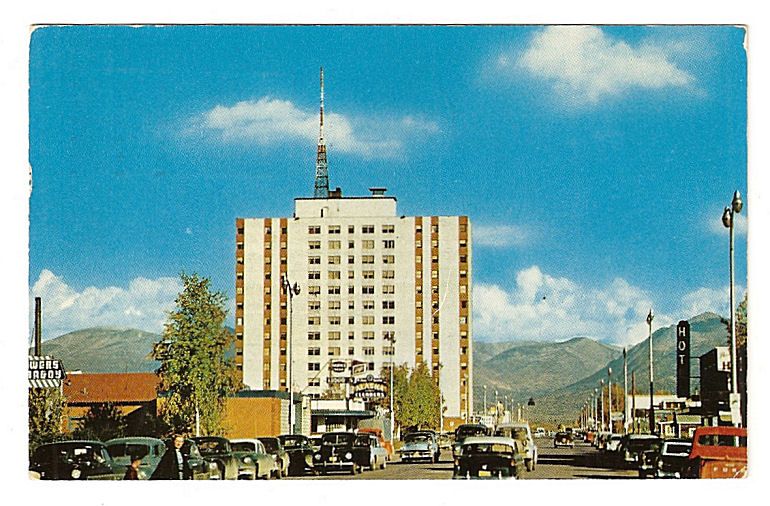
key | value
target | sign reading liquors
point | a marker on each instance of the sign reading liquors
(45, 372)
(370, 388)
(683, 359)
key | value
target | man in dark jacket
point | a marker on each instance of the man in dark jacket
(174, 465)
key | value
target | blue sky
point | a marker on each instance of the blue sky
(594, 162)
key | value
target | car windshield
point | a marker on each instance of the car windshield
(337, 439)
(464, 432)
(243, 446)
(487, 448)
(616, 438)
(271, 444)
(417, 438)
(643, 444)
(721, 440)
(119, 450)
(72, 452)
(209, 446)
(677, 449)
(292, 441)
(362, 441)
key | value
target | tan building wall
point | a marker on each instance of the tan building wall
(247, 417)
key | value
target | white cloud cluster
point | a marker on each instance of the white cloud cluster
(740, 228)
(270, 121)
(546, 308)
(500, 236)
(584, 65)
(141, 305)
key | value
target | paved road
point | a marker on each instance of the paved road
(583, 461)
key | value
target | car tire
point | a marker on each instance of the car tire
(530, 465)
(384, 464)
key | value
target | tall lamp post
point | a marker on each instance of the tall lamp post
(291, 291)
(625, 391)
(485, 401)
(601, 394)
(728, 220)
(392, 339)
(596, 410)
(650, 317)
(609, 398)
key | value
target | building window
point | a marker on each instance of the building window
(463, 242)
(388, 274)
(351, 244)
(351, 274)
(314, 229)
(387, 351)
(388, 320)
(367, 244)
(314, 320)
(368, 351)
(434, 229)
(388, 229)
(351, 229)
(367, 320)
(314, 305)
(313, 336)
(389, 289)
(351, 335)
(314, 382)
(368, 274)
(368, 304)
(334, 304)
(351, 290)
(388, 335)
(314, 244)
(314, 275)
(351, 304)
(369, 289)
(388, 304)
(314, 260)
(334, 260)
(334, 245)
(370, 366)
(334, 335)
(334, 290)
(388, 259)
(418, 304)
(434, 274)
(351, 350)
(389, 244)
(351, 320)
(334, 320)
(418, 274)
(239, 321)
(314, 366)
(314, 290)
(334, 351)
(239, 290)
(334, 274)
(334, 229)
(367, 259)
(367, 229)
(314, 351)
(463, 320)
(463, 289)
(368, 335)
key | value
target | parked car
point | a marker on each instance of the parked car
(540, 432)
(368, 452)
(74, 460)
(300, 451)
(468, 430)
(275, 448)
(315, 441)
(255, 462)
(612, 442)
(671, 459)
(336, 453)
(489, 457)
(563, 439)
(632, 446)
(718, 452)
(388, 445)
(420, 445)
(217, 451)
(149, 449)
(521, 432)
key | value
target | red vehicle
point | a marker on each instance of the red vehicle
(719, 452)
(383, 442)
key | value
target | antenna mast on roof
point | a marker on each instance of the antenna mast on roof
(321, 168)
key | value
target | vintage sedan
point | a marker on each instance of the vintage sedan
(368, 452)
(672, 458)
(388, 445)
(521, 432)
(336, 453)
(274, 447)
(489, 457)
(468, 430)
(255, 462)
(149, 449)
(217, 451)
(563, 439)
(420, 445)
(300, 451)
(633, 446)
(74, 460)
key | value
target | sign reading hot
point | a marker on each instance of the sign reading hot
(683, 359)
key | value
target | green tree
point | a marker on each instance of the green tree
(419, 401)
(741, 322)
(102, 421)
(46, 410)
(195, 372)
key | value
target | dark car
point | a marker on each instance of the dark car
(468, 430)
(489, 457)
(633, 446)
(563, 439)
(218, 452)
(300, 451)
(75, 460)
(336, 453)
(274, 447)
(368, 452)
(672, 459)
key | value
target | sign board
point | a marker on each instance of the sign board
(357, 368)
(336, 380)
(370, 388)
(45, 372)
(683, 359)
(338, 366)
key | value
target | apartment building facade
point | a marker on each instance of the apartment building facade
(375, 288)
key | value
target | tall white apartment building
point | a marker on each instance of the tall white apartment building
(375, 287)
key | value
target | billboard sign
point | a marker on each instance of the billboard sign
(45, 372)
(338, 366)
(683, 359)
(370, 388)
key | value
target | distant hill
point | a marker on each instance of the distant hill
(104, 349)
(529, 369)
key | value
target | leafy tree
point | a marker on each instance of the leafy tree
(741, 322)
(145, 423)
(419, 402)
(102, 421)
(195, 371)
(46, 410)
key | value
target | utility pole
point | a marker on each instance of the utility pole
(633, 401)
(625, 391)
(650, 316)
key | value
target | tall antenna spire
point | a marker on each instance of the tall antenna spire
(321, 168)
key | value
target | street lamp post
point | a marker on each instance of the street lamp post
(392, 339)
(609, 398)
(728, 220)
(601, 394)
(625, 391)
(485, 401)
(596, 410)
(291, 291)
(650, 317)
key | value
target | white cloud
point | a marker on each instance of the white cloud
(710, 299)
(500, 236)
(142, 304)
(584, 65)
(542, 307)
(270, 121)
(741, 224)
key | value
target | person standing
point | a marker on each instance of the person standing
(132, 473)
(174, 465)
